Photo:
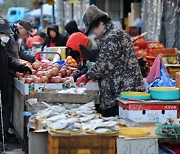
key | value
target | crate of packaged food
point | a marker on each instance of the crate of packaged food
(84, 144)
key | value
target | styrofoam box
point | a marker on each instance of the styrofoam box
(137, 146)
(25, 89)
(150, 113)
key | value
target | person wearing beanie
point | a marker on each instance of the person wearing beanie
(116, 68)
(74, 43)
(54, 38)
(71, 27)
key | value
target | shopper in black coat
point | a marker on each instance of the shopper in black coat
(54, 38)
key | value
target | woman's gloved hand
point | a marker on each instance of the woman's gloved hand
(83, 79)
(24, 68)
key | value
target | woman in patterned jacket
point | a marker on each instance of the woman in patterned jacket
(116, 68)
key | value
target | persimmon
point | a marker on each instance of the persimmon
(69, 58)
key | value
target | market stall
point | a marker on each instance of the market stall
(62, 118)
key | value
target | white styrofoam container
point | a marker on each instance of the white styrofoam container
(147, 115)
(25, 89)
(137, 146)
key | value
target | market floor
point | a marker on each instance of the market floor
(14, 148)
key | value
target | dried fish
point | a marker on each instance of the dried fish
(57, 117)
(102, 130)
(57, 125)
(87, 118)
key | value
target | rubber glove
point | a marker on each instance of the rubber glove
(83, 79)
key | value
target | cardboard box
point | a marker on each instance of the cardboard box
(147, 112)
(137, 146)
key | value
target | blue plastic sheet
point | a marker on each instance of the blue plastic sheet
(163, 81)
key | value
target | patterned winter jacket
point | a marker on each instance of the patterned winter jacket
(116, 68)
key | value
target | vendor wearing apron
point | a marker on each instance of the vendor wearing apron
(116, 68)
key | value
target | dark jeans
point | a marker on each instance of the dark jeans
(110, 112)
(7, 105)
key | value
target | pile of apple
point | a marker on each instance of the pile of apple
(45, 72)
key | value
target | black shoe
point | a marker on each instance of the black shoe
(10, 137)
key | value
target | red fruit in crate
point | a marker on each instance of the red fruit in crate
(65, 68)
(48, 74)
(44, 65)
(28, 80)
(40, 74)
(60, 75)
(136, 48)
(33, 71)
(23, 80)
(143, 53)
(63, 72)
(68, 72)
(49, 64)
(37, 80)
(54, 71)
(36, 65)
(57, 66)
(151, 52)
(44, 79)
(49, 67)
(52, 80)
(58, 79)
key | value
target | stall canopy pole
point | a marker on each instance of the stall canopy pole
(72, 11)
(41, 18)
(53, 14)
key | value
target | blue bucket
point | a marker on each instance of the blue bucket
(61, 63)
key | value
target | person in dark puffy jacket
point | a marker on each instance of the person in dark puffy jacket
(7, 63)
(116, 68)
(54, 38)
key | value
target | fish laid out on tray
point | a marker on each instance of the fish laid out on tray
(84, 118)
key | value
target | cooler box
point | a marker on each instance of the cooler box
(147, 112)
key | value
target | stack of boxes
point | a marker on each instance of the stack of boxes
(134, 14)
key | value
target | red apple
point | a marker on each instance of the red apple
(33, 76)
(52, 80)
(54, 71)
(44, 79)
(28, 80)
(37, 80)
(49, 67)
(58, 79)
(50, 64)
(33, 72)
(40, 74)
(22, 79)
(63, 72)
(65, 67)
(48, 74)
(57, 66)
(44, 65)
(36, 65)
(60, 75)
(68, 72)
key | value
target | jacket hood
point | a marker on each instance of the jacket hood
(75, 40)
(54, 28)
(71, 27)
